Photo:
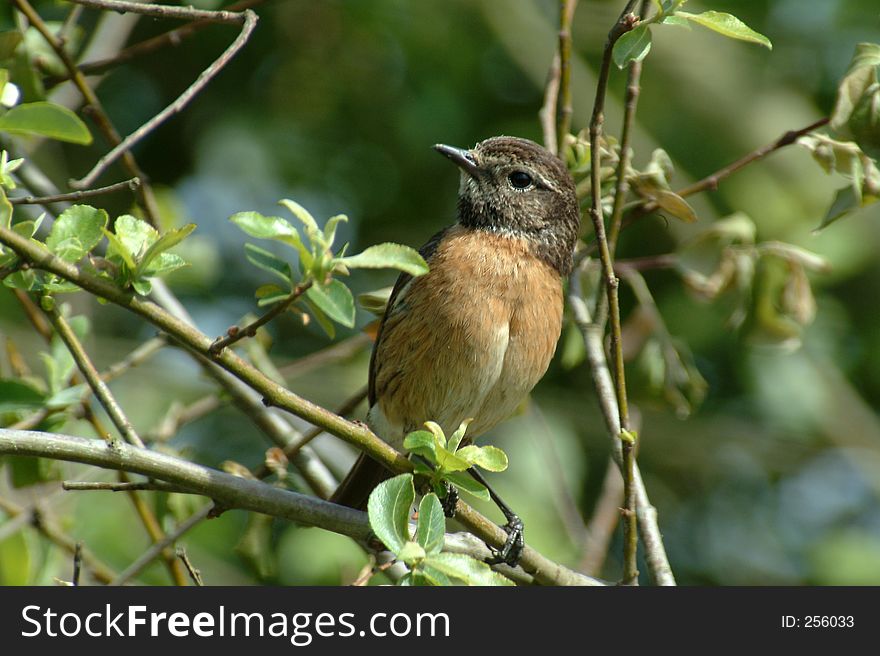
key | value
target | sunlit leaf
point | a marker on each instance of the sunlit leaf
(47, 120)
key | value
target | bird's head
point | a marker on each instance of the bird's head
(515, 187)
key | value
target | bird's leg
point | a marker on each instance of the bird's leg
(512, 550)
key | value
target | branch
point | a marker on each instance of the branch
(132, 185)
(173, 37)
(356, 434)
(633, 89)
(787, 139)
(227, 491)
(236, 334)
(625, 23)
(563, 103)
(96, 110)
(93, 378)
(711, 182)
(655, 552)
(163, 11)
(249, 21)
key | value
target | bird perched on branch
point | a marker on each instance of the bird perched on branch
(472, 337)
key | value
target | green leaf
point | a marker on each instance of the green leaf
(67, 396)
(391, 256)
(435, 430)
(47, 120)
(18, 395)
(164, 263)
(169, 240)
(311, 226)
(16, 555)
(490, 458)
(728, 25)
(269, 294)
(411, 553)
(845, 202)
(336, 301)
(119, 252)
(272, 227)
(675, 205)
(466, 483)
(633, 46)
(867, 55)
(389, 508)
(431, 576)
(330, 228)
(421, 443)
(269, 262)
(431, 527)
(467, 569)
(76, 231)
(142, 286)
(375, 301)
(458, 435)
(136, 235)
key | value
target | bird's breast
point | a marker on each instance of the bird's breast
(469, 339)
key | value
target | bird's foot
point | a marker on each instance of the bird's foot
(512, 550)
(450, 500)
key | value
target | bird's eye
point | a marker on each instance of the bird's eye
(520, 179)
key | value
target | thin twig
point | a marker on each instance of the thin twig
(93, 378)
(95, 110)
(154, 551)
(171, 38)
(131, 184)
(600, 528)
(77, 563)
(249, 21)
(633, 89)
(563, 104)
(334, 353)
(136, 358)
(652, 540)
(235, 334)
(624, 23)
(122, 423)
(195, 574)
(547, 113)
(711, 182)
(155, 486)
(164, 11)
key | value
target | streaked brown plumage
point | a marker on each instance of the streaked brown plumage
(472, 337)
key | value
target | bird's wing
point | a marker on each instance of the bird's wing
(397, 295)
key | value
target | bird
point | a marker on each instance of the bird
(472, 337)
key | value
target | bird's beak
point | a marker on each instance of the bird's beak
(463, 158)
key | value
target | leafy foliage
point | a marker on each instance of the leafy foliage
(634, 45)
(326, 298)
(447, 460)
(389, 509)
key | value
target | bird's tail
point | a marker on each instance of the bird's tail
(364, 476)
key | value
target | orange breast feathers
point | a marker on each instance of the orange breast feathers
(469, 339)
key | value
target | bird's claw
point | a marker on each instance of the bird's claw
(450, 500)
(512, 550)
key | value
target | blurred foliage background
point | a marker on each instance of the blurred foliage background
(774, 479)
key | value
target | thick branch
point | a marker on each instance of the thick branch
(357, 434)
